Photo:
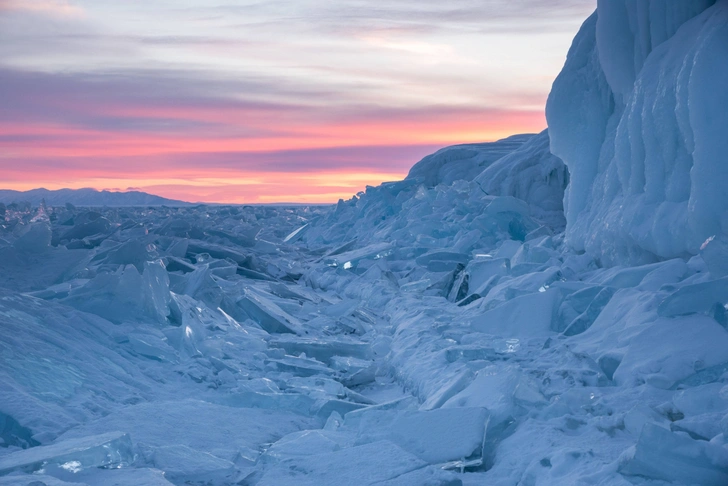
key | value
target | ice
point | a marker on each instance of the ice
(183, 464)
(85, 225)
(693, 298)
(436, 436)
(661, 454)
(322, 350)
(266, 313)
(112, 450)
(365, 465)
(641, 414)
(125, 294)
(152, 347)
(644, 169)
(583, 321)
(580, 314)
(304, 443)
(350, 259)
(681, 353)
(526, 315)
(441, 261)
(530, 173)
(714, 252)
(463, 162)
(34, 237)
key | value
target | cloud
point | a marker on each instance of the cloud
(62, 8)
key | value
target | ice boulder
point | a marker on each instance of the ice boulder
(638, 114)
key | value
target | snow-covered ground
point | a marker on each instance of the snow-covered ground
(456, 327)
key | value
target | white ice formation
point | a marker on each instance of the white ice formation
(459, 327)
(639, 115)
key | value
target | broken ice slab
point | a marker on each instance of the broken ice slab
(481, 270)
(322, 350)
(584, 320)
(362, 465)
(243, 236)
(152, 347)
(471, 352)
(305, 443)
(661, 454)
(296, 293)
(323, 409)
(429, 476)
(87, 224)
(353, 418)
(182, 464)
(126, 295)
(699, 297)
(267, 314)
(61, 290)
(217, 251)
(416, 286)
(175, 264)
(291, 402)
(253, 274)
(715, 255)
(460, 286)
(116, 477)
(625, 277)
(573, 305)
(641, 414)
(442, 260)
(348, 246)
(34, 237)
(351, 258)
(435, 436)
(132, 252)
(448, 390)
(296, 234)
(360, 377)
(527, 315)
(301, 366)
(112, 449)
(502, 390)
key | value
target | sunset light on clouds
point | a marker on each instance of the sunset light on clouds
(242, 102)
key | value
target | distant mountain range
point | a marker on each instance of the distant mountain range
(87, 197)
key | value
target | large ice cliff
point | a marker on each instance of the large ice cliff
(639, 115)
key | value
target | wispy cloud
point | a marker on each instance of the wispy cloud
(50, 7)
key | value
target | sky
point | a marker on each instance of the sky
(265, 101)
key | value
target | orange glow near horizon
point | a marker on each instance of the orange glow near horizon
(75, 157)
(316, 187)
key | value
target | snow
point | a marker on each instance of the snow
(463, 326)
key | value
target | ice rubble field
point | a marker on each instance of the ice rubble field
(457, 327)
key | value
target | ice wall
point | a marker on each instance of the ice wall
(640, 116)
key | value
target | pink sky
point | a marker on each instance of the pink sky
(212, 103)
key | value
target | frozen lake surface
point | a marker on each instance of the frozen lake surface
(501, 316)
